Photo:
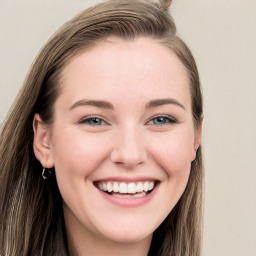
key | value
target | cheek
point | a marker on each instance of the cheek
(173, 156)
(78, 154)
(175, 152)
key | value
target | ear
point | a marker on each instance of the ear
(198, 137)
(42, 142)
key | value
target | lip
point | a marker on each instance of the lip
(129, 202)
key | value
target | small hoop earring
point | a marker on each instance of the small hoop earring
(46, 174)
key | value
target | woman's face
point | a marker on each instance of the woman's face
(123, 139)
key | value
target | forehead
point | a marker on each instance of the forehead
(134, 66)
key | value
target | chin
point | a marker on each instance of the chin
(126, 238)
(128, 234)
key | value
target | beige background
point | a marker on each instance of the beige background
(222, 36)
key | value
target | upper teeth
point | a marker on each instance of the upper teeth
(123, 187)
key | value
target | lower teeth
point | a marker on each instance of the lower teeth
(139, 194)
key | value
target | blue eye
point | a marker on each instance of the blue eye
(161, 120)
(92, 121)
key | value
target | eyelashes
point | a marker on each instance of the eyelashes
(157, 120)
(93, 121)
(163, 120)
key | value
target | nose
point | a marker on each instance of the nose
(129, 150)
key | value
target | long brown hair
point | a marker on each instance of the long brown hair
(31, 218)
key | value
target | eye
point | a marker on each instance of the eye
(162, 120)
(94, 121)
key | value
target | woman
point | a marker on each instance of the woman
(100, 154)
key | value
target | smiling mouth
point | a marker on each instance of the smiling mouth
(126, 189)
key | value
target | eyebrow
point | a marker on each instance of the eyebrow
(95, 103)
(160, 102)
(108, 105)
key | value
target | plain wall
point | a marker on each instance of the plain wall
(222, 36)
